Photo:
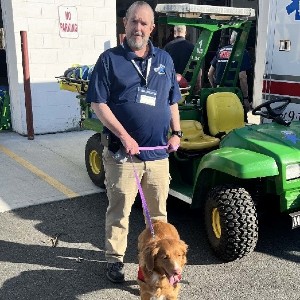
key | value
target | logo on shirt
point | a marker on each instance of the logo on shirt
(161, 70)
(224, 54)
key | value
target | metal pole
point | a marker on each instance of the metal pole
(27, 89)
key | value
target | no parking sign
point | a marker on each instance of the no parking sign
(68, 22)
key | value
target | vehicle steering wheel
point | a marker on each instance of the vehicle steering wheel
(271, 113)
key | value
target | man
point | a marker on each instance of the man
(180, 50)
(218, 65)
(134, 93)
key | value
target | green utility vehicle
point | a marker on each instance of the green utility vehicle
(224, 166)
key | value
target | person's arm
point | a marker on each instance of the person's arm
(210, 75)
(244, 88)
(198, 82)
(244, 83)
(108, 119)
(175, 119)
(174, 140)
(245, 66)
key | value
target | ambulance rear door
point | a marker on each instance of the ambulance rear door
(282, 68)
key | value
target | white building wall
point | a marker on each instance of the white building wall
(50, 55)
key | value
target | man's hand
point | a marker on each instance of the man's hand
(130, 145)
(173, 143)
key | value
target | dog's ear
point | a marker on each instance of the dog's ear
(149, 255)
(183, 247)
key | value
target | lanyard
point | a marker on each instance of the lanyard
(139, 70)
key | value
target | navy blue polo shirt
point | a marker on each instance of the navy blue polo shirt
(115, 81)
(220, 60)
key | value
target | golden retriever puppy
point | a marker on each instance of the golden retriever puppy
(161, 261)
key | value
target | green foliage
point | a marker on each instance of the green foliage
(5, 116)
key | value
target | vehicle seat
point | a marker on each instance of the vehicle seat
(184, 94)
(225, 112)
(194, 137)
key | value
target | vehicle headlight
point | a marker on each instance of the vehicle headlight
(292, 171)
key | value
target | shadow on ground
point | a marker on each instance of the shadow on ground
(76, 265)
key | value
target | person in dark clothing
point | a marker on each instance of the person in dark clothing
(180, 50)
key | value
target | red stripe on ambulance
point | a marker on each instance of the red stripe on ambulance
(281, 88)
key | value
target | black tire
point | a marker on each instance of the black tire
(93, 160)
(231, 222)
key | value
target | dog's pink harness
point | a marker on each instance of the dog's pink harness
(141, 274)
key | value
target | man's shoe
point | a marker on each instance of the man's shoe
(115, 272)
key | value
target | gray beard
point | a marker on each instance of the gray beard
(136, 46)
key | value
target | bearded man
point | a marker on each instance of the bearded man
(134, 93)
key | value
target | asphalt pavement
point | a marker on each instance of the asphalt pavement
(52, 234)
(56, 251)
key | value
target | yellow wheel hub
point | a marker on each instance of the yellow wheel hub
(94, 159)
(216, 225)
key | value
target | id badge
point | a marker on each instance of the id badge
(146, 96)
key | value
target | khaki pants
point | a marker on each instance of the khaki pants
(121, 192)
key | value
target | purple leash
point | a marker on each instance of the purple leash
(153, 148)
(144, 202)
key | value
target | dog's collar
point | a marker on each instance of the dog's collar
(141, 274)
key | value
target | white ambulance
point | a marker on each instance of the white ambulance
(277, 67)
